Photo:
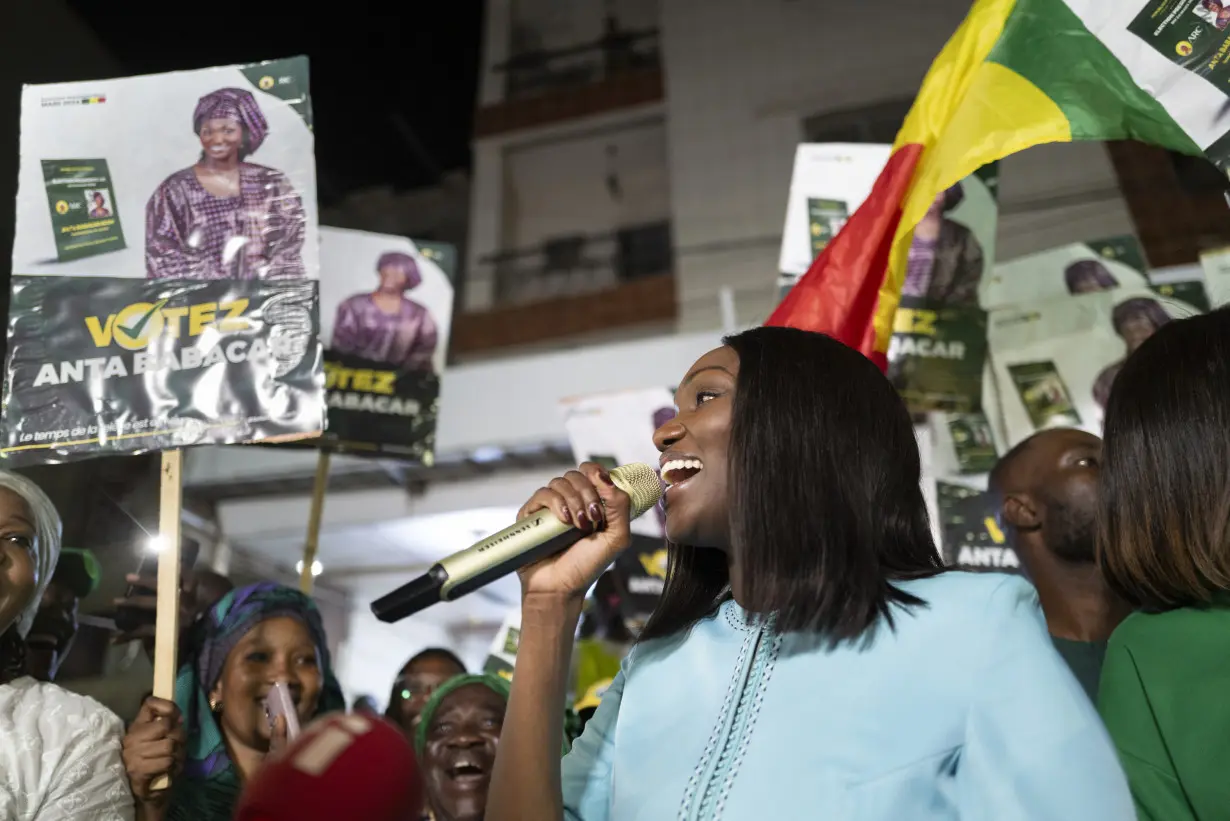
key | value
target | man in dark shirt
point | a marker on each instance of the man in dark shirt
(1046, 490)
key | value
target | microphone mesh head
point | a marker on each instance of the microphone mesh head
(641, 483)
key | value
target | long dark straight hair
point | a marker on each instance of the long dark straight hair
(825, 508)
(1164, 488)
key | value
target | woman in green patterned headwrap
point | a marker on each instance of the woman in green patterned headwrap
(217, 732)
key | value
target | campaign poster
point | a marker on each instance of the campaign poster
(207, 174)
(1194, 35)
(828, 184)
(1193, 292)
(970, 533)
(615, 429)
(1078, 268)
(1190, 33)
(85, 220)
(165, 265)
(938, 349)
(969, 441)
(1055, 362)
(386, 306)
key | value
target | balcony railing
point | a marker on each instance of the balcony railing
(532, 72)
(579, 264)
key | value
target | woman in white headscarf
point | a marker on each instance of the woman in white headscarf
(59, 752)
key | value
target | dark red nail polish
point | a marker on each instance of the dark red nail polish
(595, 512)
(567, 514)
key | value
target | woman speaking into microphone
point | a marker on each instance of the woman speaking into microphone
(810, 657)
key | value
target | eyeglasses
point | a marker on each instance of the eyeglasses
(416, 689)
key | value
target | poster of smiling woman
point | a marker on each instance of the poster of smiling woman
(165, 265)
(386, 304)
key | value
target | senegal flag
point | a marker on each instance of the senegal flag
(1020, 73)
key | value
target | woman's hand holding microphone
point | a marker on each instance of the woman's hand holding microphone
(588, 499)
(525, 781)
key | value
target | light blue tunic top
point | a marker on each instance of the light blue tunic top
(965, 711)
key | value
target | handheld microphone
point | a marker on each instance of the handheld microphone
(535, 537)
(340, 766)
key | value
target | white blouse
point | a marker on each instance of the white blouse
(59, 756)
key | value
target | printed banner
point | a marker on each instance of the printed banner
(202, 326)
(938, 350)
(969, 531)
(103, 365)
(615, 429)
(1192, 34)
(829, 183)
(1055, 361)
(386, 307)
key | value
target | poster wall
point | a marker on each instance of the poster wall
(937, 357)
(1069, 270)
(1055, 361)
(615, 429)
(1060, 326)
(165, 265)
(938, 350)
(386, 304)
(828, 184)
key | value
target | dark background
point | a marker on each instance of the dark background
(393, 84)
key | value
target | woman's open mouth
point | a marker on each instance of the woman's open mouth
(677, 472)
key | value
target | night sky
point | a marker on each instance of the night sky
(393, 89)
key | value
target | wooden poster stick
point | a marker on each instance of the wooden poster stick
(166, 630)
(306, 578)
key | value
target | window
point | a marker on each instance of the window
(563, 254)
(644, 250)
(877, 123)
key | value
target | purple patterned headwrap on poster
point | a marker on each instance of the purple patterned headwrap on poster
(404, 263)
(233, 104)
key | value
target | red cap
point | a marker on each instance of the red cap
(342, 766)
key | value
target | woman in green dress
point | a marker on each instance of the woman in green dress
(1164, 544)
